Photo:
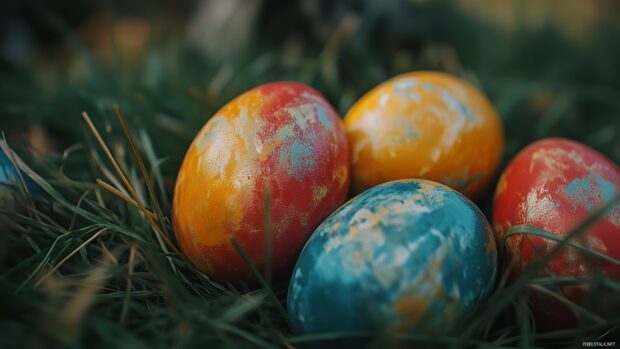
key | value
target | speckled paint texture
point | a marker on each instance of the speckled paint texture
(10, 181)
(283, 137)
(554, 184)
(404, 256)
(427, 125)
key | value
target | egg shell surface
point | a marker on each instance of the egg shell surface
(427, 125)
(283, 138)
(554, 184)
(10, 181)
(404, 256)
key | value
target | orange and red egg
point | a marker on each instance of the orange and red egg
(280, 138)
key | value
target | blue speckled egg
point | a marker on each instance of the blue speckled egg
(408, 256)
(9, 181)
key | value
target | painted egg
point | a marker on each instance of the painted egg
(427, 125)
(554, 184)
(280, 138)
(10, 181)
(404, 256)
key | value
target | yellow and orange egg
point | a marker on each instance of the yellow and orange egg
(427, 125)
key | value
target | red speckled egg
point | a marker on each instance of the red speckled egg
(554, 184)
(281, 137)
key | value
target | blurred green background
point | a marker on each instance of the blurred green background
(550, 67)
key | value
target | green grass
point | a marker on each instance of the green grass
(82, 268)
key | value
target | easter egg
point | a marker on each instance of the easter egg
(11, 180)
(427, 125)
(404, 256)
(554, 184)
(277, 151)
